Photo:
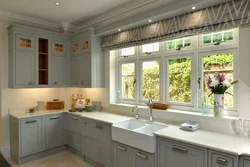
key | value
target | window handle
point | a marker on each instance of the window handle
(134, 83)
(199, 82)
(125, 56)
(148, 53)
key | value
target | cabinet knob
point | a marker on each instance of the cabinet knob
(77, 82)
(82, 82)
(55, 83)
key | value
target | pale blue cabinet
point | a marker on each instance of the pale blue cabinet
(175, 154)
(24, 69)
(124, 156)
(88, 138)
(30, 135)
(54, 132)
(59, 70)
(244, 161)
(218, 159)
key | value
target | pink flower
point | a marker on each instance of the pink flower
(222, 78)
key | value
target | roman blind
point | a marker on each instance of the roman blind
(232, 14)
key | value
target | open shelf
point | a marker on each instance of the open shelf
(43, 61)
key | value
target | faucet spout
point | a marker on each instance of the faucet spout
(150, 104)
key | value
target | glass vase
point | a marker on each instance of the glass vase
(218, 105)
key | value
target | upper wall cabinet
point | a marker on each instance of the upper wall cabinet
(87, 62)
(25, 42)
(31, 58)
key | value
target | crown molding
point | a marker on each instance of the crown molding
(126, 10)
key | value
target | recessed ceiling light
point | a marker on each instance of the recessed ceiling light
(57, 3)
(149, 21)
(194, 8)
(119, 29)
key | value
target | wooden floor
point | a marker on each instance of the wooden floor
(63, 159)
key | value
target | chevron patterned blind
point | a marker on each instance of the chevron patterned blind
(232, 14)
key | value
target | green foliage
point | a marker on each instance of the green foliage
(217, 60)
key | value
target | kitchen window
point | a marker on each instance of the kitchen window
(177, 77)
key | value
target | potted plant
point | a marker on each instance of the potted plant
(218, 85)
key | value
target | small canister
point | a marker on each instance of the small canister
(40, 105)
(89, 108)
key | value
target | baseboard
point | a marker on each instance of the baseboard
(5, 151)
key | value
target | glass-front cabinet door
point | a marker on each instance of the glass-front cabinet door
(25, 42)
(58, 47)
(74, 47)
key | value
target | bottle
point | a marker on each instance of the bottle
(72, 100)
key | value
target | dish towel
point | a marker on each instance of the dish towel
(190, 126)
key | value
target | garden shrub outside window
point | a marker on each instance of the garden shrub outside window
(176, 76)
(222, 36)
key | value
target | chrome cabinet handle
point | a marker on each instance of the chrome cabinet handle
(99, 126)
(30, 122)
(141, 155)
(55, 83)
(74, 118)
(180, 149)
(85, 123)
(56, 117)
(222, 161)
(122, 148)
(82, 82)
(77, 82)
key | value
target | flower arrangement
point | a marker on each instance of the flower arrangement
(219, 84)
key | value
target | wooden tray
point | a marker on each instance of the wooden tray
(161, 106)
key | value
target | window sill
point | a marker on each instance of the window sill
(181, 112)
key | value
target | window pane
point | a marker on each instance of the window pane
(180, 80)
(207, 39)
(217, 37)
(154, 47)
(221, 64)
(128, 51)
(179, 43)
(171, 44)
(128, 80)
(151, 80)
(228, 35)
(187, 42)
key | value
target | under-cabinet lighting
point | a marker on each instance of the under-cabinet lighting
(57, 3)
(149, 21)
(193, 7)
(119, 29)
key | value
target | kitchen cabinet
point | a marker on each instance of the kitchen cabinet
(74, 132)
(88, 138)
(24, 69)
(176, 154)
(124, 156)
(31, 64)
(244, 161)
(54, 131)
(31, 135)
(218, 159)
(102, 143)
(59, 70)
(87, 61)
(81, 70)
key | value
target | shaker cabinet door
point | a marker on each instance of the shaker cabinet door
(122, 155)
(172, 154)
(31, 135)
(54, 135)
(75, 71)
(24, 69)
(244, 161)
(143, 159)
(59, 70)
(85, 70)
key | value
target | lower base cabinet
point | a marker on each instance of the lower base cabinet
(218, 159)
(125, 156)
(175, 154)
(244, 161)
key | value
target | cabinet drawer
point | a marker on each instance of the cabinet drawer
(25, 42)
(102, 132)
(176, 154)
(217, 159)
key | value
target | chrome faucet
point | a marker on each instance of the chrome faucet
(150, 104)
(137, 115)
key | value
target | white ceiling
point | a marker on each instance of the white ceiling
(69, 11)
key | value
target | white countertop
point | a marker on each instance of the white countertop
(95, 115)
(227, 143)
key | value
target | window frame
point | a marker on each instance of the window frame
(151, 53)
(163, 56)
(141, 78)
(130, 56)
(119, 75)
(167, 59)
(235, 73)
(193, 45)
